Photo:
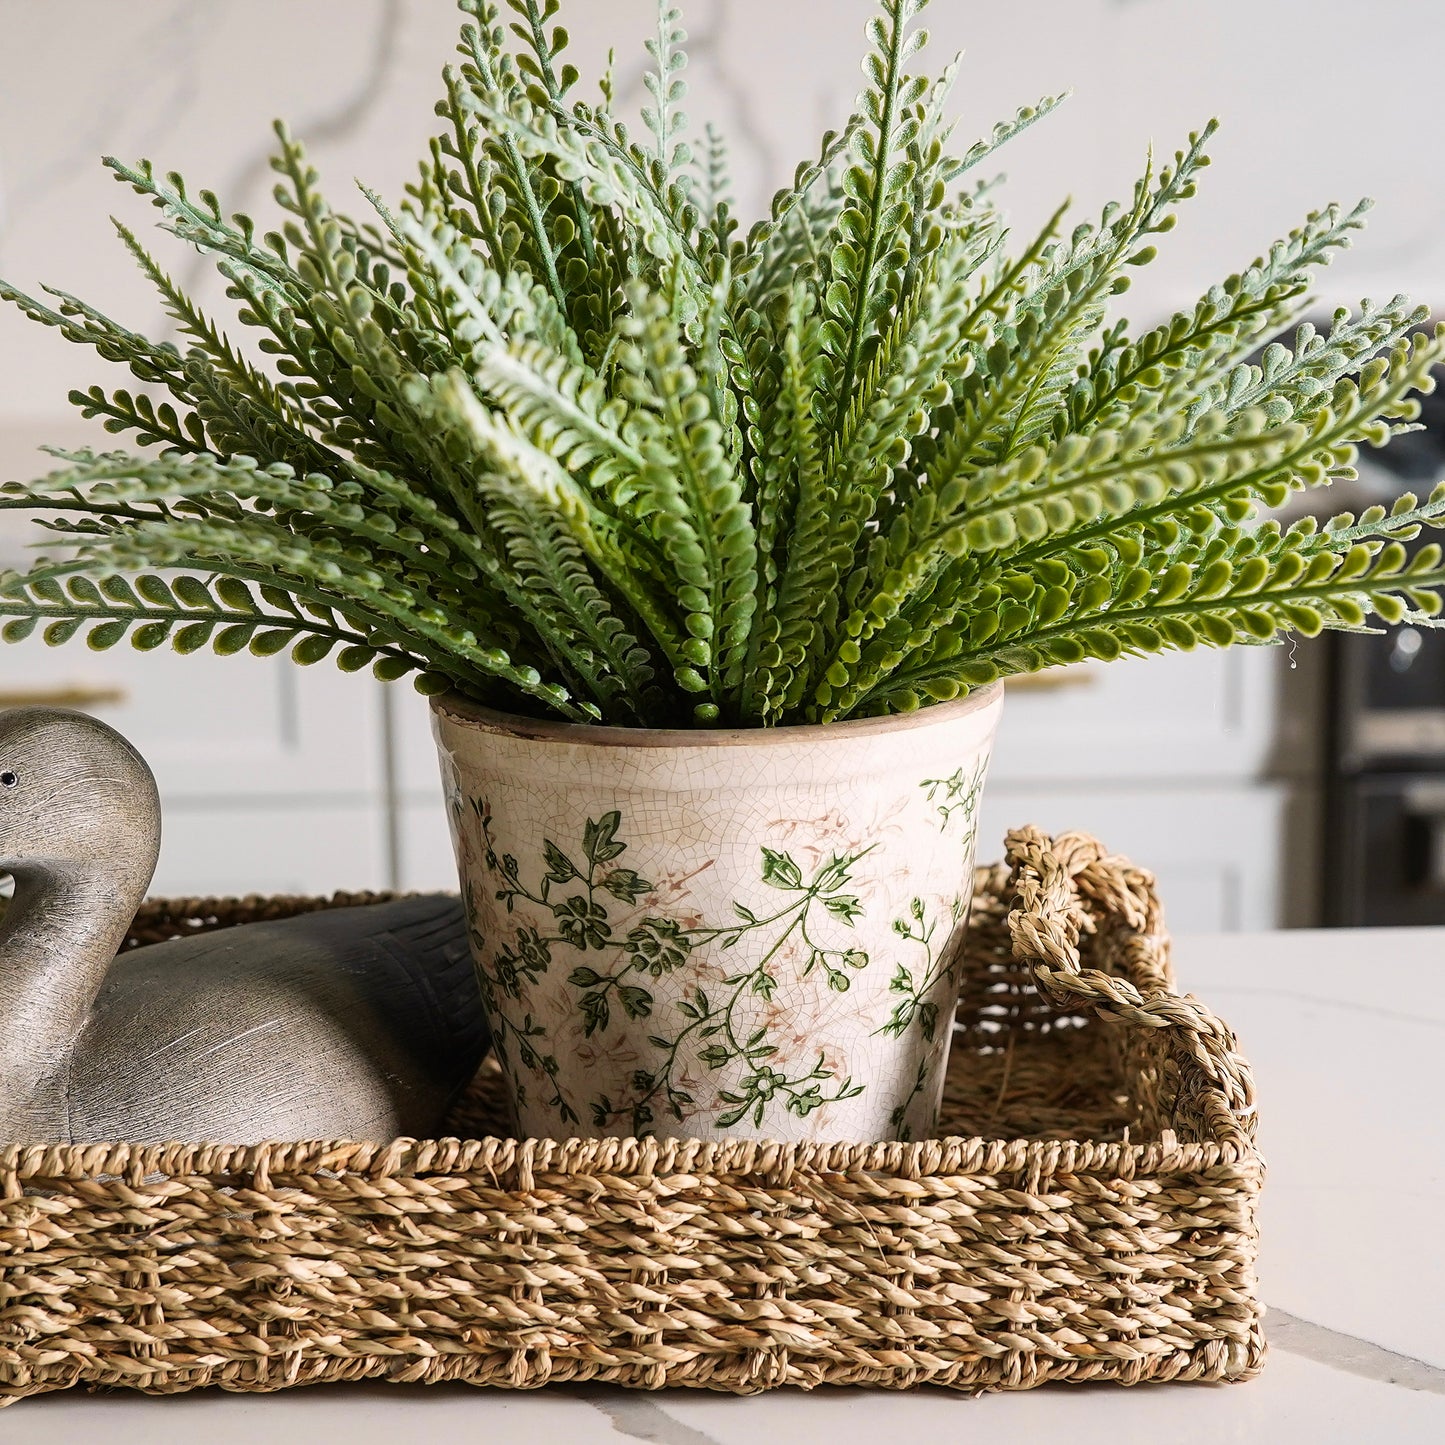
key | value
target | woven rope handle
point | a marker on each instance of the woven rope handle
(1069, 886)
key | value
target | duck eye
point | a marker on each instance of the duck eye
(9, 779)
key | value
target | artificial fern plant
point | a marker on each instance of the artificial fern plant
(555, 434)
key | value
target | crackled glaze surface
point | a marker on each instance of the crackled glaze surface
(754, 935)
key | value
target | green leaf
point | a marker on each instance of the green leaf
(626, 885)
(234, 639)
(193, 636)
(57, 633)
(235, 594)
(636, 1002)
(560, 868)
(150, 636)
(389, 669)
(596, 1014)
(598, 838)
(271, 641)
(105, 636)
(313, 649)
(780, 871)
(157, 594)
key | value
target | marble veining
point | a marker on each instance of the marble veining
(342, 119)
(1350, 1353)
(161, 74)
(639, 1417)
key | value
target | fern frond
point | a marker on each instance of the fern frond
(488, 70)
(190, 613)
(371, 601)
(700, 515)
(239, 374)
(1019, 394)
(875, 182)
(459, 181)
(1364, 408)
(540, 63)
(664, 82)
(626, 561)
(796, 555)
(151, 423)
(571, 415)
(1242, 593)
(1005, 131)
(1225, 322)
(151, 363)
(717, 187)
(589, 640)
(797, 220)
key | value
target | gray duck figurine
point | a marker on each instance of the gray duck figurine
(359, 1023)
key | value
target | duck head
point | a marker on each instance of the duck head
(75, 796)
(79, 834)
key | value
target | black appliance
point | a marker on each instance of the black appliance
(1384, 787)
(1384, 840)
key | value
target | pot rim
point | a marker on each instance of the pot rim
(458, 709)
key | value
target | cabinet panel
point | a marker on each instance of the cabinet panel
(218, 726)
(272, 777)
(1215, 850)
(216, 848)
(1190, 715)
(417, 771)
(425, 846)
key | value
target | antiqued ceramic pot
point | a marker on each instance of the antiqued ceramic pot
(723, 934)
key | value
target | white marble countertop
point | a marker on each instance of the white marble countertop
(1347, 1034)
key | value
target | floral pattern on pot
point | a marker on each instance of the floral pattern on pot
(755, 937)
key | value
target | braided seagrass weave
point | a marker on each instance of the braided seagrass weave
(1090, 1216)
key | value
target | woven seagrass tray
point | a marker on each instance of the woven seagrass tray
(1089, 1216)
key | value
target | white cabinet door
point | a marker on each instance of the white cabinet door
(1193, 715)
(425, 846)
(1214, 849)
(418, 775)
(217, 726)
(217, 848)
(423, 843)
(272, 777)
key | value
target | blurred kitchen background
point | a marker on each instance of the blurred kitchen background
(1267, 787)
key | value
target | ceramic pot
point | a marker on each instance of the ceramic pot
(719, 934)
